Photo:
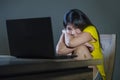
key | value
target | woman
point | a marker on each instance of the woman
(80, 37)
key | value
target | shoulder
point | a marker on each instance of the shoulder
(92, 30)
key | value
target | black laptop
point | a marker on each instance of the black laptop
(32, 38)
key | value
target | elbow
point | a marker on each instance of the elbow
(59, 52)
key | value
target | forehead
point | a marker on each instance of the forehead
(70, 25)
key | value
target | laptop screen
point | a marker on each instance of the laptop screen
(30, 38)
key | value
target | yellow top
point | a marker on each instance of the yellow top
(97, 52)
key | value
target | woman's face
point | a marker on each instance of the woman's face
(72, 30)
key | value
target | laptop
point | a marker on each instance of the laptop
(32, 38)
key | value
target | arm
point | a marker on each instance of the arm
(61, 48)
(82, 38)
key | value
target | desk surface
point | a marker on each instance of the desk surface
(12, 65)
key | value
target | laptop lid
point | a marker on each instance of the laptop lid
(30, 38)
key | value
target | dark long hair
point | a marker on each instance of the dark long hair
(77, 18)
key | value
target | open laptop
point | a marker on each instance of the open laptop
(32, 38)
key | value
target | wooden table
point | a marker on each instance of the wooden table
(46, 69)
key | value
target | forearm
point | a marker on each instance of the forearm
(75, 41)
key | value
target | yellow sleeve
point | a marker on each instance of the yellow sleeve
(92, 30)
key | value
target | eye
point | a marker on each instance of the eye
(69, 28)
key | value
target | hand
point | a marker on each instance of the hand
(90, 46)
(64, 31)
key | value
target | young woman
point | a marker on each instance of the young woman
(80, 37)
